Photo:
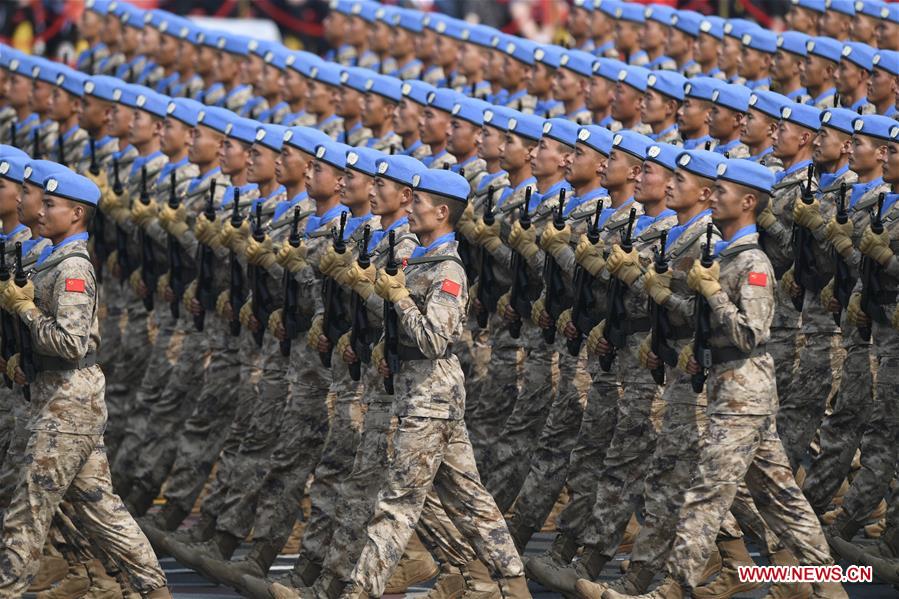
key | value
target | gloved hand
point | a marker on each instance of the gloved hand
(876, 246)
(684, 357)
(275, 321)
(110, 202)
(135, 281)
(563, 320)
(169, 216)
(488, 235)
(260, 253)
(502, 303)
(705, 280)
(808, 215)
(624, 266)
(391, 287)
(360, 280)
(162, 283)
(208, 232)
(19, 299)
(589, 256)
(524, 241)
(11, 364)
(643, 352)
(377, 354)
(292, 258)
(342, 344)
(467, 224)
(101, 181)
(537, 310)
(766, 219)
(827, 294)
(332, 262)
(854, 313)
(595, 336)
(840, 235)
(221, 303)
(235, 239)
(121, 215)
(190, 293)
(246, 312)
(553, 240)
(788, 282)
(658, 286)
(315, 331)
(142, 213)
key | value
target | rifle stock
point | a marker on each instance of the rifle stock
(23, 334)
(359, 337)
(291, 290)
(581, 316)
(391, 322)
(702, 353)
(518, 294)
(552, 277)
(331, 325)
(616, 315)
(871, 280)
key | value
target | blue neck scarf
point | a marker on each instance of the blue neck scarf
(19, 228)
(860, 189)
(677, 230)
(47, 251)
(354, 222)
(720, 246)
(228, 199)
(377, 236)
(825, 180)
(442, 240)
(762, 154)
(665, 131)
(644, 220)
(141, 161)
(286, 205)
(195, 182)
(778, 177)
(509, 191)
(576, 201)
(814, 101)
(487, 179)
(537, 198)
(169, 168)
(411, 149)
(697, 142)
(727, 147)
(314, 222)
(460, 165)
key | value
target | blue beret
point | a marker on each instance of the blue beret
(874, 125)
(208, 38)
(735, 28)
(470, 109)
(241, 129)
(562, 130)
(185, 110)
(596, 137)
(399, 168)
(130, 15)
(670, 83)
(233, 43)
(44, 70)
(607, 7)
(12, 167)
(840, 119)
(302, 62)
(888, 60)
(152, 102)
(443, 183)
(702, 88)
(365, 10)
(20, 64)
(663, 154)
(585, 4)
(631, 142)
(747, 173)
(608, 68)
(384, 14)
(344, 7)
(276, 56)
(527, 125)
(735, 97)
(385, 86)
(443, 98)
(802, 114)
(860, 54)
(271, 136)
(363, 160)
(578, 61)
(214, 117)
(815, 5)
(890, 12)
(768, 103)
(72, 81)
(6, 151)
(869, 8)
(498, 117)
(154, 17)
(482, 35)
(126, 93)
(444, 25)
(189, 31)
(549, 54)
(333, 153)
(97, 6)
(417, 91)
(894, 133)
(636, 77)
(37, 171)
(326, 72)
(713, 26)
(761, 40)
(629, 11)
(658, 13)
(355, 78)
(687, 21)
(845, 7)
(70, 185)
(700, 162)
(407, 18)
(825, 47)
(171, 25)
(793, 42)
(7, 54)
(304, 138)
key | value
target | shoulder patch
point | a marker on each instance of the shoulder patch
(759, 279)
(75, 285)
(451, 287)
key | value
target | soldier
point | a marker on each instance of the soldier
(863, 28)
(853, 75)
(693, 115)
(708, 46)
(603, 29)
(579, 24)
(296, 88)
(382, 94)
(66, 430)
(96, 103)
(729, 52)
(434, 127)
(803, 16)
(661, 103)
(629, 99)
(208, 58)
(883, 86)
(111, 37)
(729, 105)
(601, 91)
(570, 85)
(335, 26)
(65, 101)
(406, 23)
(629, 21)
(836, 21)
(446, 51)
(739, 286)
(540, 81)
(380, 39)
(133, 60)
(150, 41)
(45, 130)
(168, 55)
(359, 15)
(90, 28)
(654, 37)
(408, 116)
(250, 75)
(760, 126)
(190, 83)
(819, 71)
(350, 98)
(786, 68)
(682, 41)
(270, 87)
(474, 58)
(322, 98)
(232, 58)
(759, 48)
(888, 28)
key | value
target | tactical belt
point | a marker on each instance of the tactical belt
(638, 325)
(885, 297)
(680, 332)
(407, 353)
(732, 354)
(44, 363)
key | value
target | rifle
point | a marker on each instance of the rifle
(61, 148)
(552, 277)
(121, 237)
(616, 314)
(871, 280)
(176, 273)
(94, 167)
(843, 281)
(12, 134)
(291, 289)
(36, 153)
(23, 334)
(7, 324)
(99, 220)
(518, 293)
(805, 272)
(236, 280)
(486, 278)
(256, 274)
(581, 315)
(466, 252)
(332, 319)
(205, 266)
(659, 317)
(391, 322)
(702, 353)
(147, 264)
(359, 339)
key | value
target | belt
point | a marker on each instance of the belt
(44, 363)
(732, 354)
(637, 325)
(680, 332)
(407, 353)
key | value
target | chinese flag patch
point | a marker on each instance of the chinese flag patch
(75, 285)
(759, 279)
(451, 287)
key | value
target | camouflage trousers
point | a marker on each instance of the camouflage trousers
(436, 454)
(841, 431)
(71, 468)
(206, 429)
(784, 349)
(111, 325)
(270, 506)
(15, 449)
(474, 357)
(743, 447)
(7, 419)
(521, 399)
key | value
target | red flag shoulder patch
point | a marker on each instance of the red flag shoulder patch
(75, 285)
(451, 287)
(759, 279)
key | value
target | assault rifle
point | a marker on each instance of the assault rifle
(100, 248)
(391, 321)
(236, 293)
(205, 266)
(7, 323)
(332, 319)
(843, 281)
(615, 332)
(291, 290)
(805, 273)
(702, 353)
(121, 236)
(659, 317)
(359, 337)
(486, 277)
(257, 276)
(176, 267)
(147, 264)
(871, 280)
(23, 334)
(552, 277)
(581, 314)
(518, 294)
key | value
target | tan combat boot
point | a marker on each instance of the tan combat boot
(669, 589)
(160, 593)
(728, 584)
(478, 583)
(53, 569)
(634, 582)
(417, 566)
(514, 588)
(784, 590)
(75, 584)
(829, 590)
(450, 584)
(103, 586)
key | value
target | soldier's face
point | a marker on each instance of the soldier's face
(175, 135)
(295, 87)
(812, 71)
(401, 43)
(406, 118)
(379, 38)
(335, 26)
(228, 67)
(349, 104)
(627, 104)
(656, 108)
(626, 35)
(30, 204)
(375, 110)
(233, 156)
(18, 91)
(167, 53)
(490, 143)
(705, 49)
(802, 19)
(388, 197)
(865, 155)
(579, 22)
(323, 181)
(887, 35)
(788, 140)
(753, 64)
(550, 158)
(679, 43)
(723, 122)
(61, 105)
(785, 66)
(131, 39)
(566, 85)
(204, 146)
(261, 165)
(434, 126)
(891, 163)
(600, 94)
(424, 215)
(270, 81)
(357, 31)
(356, 189)
(112, 30)
(462, 138)
(617, 170)
(540, 82)
(692, 115)
(118, 120)
(89, 24)
(447, 50)
(757, 129)
(206, 58)
(601, 25)
(584, 165)
(40, 96)
(654, 35)
(472, 60)
(828, 146)
(684, 190)
(882, 86)
(251, 70)
(149, 41)
(497, 64)
(425, 45)
(320, 97)
(728, 202)
(651, 183)
(9, 197)
(516, 153)
(187, 56)
(57, 216)
(729, 54)
(290, 167)
(833, 24)
(850, 77)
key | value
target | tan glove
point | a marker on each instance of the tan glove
(658, 286)
(246, 312)
(502, 303)
(235, 239)
(19, 299)
(361, 281)
(293, 259)
(190, 293)
(101, 181)
(624, 266)
(120, 215)
(589, 256)
(840, 236)
(275, 320)
(705, 280)
(766, 219)
(169, 216)
(854, 313)
(142, 213)
(787, 281)
(563, 320)
(110, 202)
(684, 357)
(221, 302)
(11, 364)
(524, 241)
(553, 240)
(342, 344)
(595, 336)
(332, 262)
(162, 283)
(827, 294)
(537, 309)
(377, 354)
(488, 235)
(315, 331)
(467, 224)
(208, 232)
(808, 215)
(135, 280)
(112, 260)
(876, 246)
(260, 253)
(643, 352)
(391, 287)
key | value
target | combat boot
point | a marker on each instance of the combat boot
(220, 547)
(415, 567)
(669, 589)
(634, 582)
(728, 584)
(355, 592)
(257, 588)
(202, 530)
(279, 591)
(256, 564)
(169, 518)
(844, 527)
(305, 571)
(478, 583)
(828, 590)
(784, 590)
(450, 584)
(139, 500)
(559, 555)
(887, 546)
(514, 588)
(75, 584)
(102, 585)
(884, 569)
(160, 593)
(328, 586)
(563, 579)
(53, 569)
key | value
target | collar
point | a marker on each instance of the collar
(761, 154)
(677, 230)
(354, 222)
(326, 121)
(196, 181)
(795, 95)
(260, 200)
(19, 228)
(442, 240)
(377, 236)
(727, 147)
(576, 201)
(825, 180)
(47, 251)
(489, 178)
(429, 160)
(778, 177)
(662, 133)
(859, 104)
(140, 161)
(510, 191)
(286, 205)
(460, 165)
(98, 144)
(696, 142)
(860, 189)
(170, 167)
(644, 220)
(537, 198)
(316, 222)
(411, 149)
(228, 198)
(820, 98)
(237, 89)
(657, 61)
(758, 83)
(607, 213)
(29, 244)
(119, 153)
(720, 246)
(68, 134)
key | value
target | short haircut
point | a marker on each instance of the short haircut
(456, 208)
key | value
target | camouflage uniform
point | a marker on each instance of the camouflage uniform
(236, 98)
(438, 161)
(827, 99)
(669, 135)
(385, 144)
(74, 142)
(331, 126)
(357, 136)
